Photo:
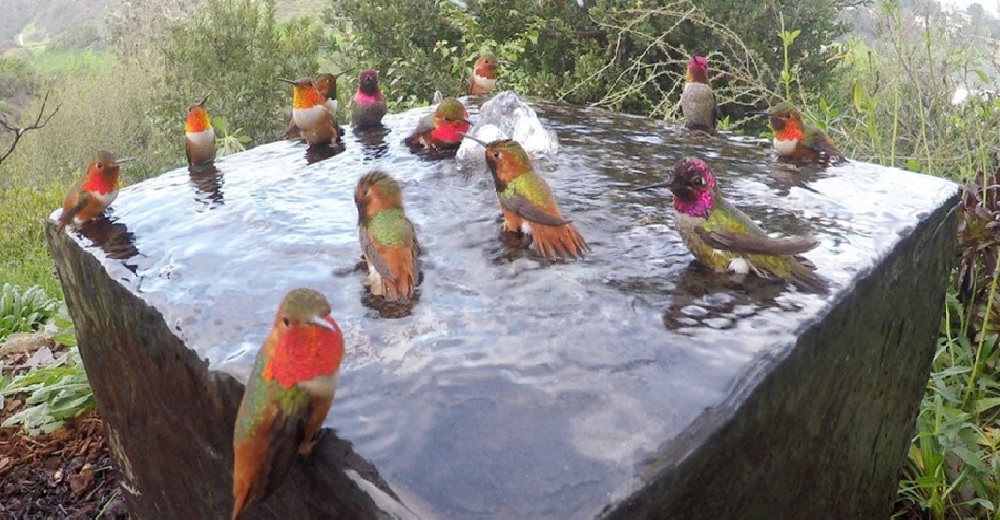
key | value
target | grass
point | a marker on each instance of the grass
(59, 61)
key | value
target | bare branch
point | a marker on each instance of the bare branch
(40, 121)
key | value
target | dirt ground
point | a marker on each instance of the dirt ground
(63, 475)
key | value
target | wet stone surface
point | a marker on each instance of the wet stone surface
(515, 388)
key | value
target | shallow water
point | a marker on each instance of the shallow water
(514, 388)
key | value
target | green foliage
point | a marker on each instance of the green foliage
(24, 311)
(235, 50)
(57, 392)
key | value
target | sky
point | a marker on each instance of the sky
(989, 5)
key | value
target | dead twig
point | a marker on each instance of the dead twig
(40, 121)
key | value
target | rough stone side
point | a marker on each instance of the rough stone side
(170, 420)
(825, 433)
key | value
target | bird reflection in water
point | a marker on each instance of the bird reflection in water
(112, 237)
(706, 298)
(207, 181)
(373, 142)
(318, 153)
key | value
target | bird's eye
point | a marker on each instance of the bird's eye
(496, 155)
(100, 165)
(285, 321)
(698, 181)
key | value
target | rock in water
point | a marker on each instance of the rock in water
(631, 385)
(505, 116)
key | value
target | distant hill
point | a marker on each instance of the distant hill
(46, 19)
(79, 23)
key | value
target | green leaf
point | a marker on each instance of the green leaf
(981, 405)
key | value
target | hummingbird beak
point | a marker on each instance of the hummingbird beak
(345, 71)
(316, 320)
(757, 113)
(473, 139)
(124, 160)
(470, 123)
(654, 186)
(283, 80)
(204, 100)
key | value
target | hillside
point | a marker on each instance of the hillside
(79, 23)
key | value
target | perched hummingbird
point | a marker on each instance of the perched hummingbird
(698, 100)
(443, 129)
(311, 114)
(484, 76)
(527, 203)
(326, 84)
(368, 105)
(199, 136)
(724, 238)
(797, 142)
(94, 192)
(287, 396)
(388, 241)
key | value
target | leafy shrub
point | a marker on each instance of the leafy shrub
(24, 311)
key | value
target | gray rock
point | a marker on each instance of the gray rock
(514, 388)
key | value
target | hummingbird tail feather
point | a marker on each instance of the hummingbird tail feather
(404, 281)
(558, 241)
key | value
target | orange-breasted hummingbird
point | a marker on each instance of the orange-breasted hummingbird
(199, 136)
(311, 114)
(484, 76)
(797, 142)
(94, 191)
(287, 397)
(527, 203)
(388, 240)
(442, 130)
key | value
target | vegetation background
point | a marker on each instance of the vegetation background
(904, 83)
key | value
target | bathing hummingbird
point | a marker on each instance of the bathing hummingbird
(527, 204)
(724, 238)
(484, 76)
(94, 191)
(443, 129)
(698, 100)
(797, 142)
(287, 397)
(199, 136)
(311, 114)
(388, 240)
(368, 106)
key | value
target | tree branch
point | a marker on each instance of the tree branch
(40, 121)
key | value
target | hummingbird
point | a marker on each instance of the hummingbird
(484, 76)
(388, 240)
(798, 142)
(287, 397)
(698, 99)
(311, 114)
(94, 191)
(368, 104)
(724, 238)
(199, 136)
(527, 203)
(443, 129)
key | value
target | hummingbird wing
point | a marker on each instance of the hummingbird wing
(817, 140)
(524, 208)
(266, 439)
(727, 228)
(374, 254)
(425, 125)
(755, 245)
(73, 204)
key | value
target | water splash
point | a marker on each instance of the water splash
(506, 116)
